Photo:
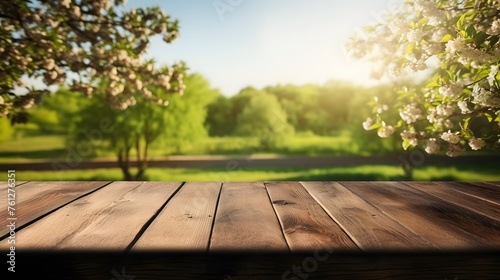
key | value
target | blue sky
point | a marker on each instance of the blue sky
(266, 42)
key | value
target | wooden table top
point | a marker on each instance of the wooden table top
(254, 216)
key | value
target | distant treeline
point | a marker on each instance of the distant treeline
(271, 114)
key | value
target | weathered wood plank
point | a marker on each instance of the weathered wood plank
(482, 190)
(35, 199)
(369, 227)
(186, 221)
(305, 223)
(446, 225)
(109, 218)
(447, 192)
(245, 220)
(4, 192)
(4, 184)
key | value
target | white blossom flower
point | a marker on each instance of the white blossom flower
(27, 103)
(115, 90)
(445, 109)
(453, 90)
(415, 36)
(450, 137)
(456, 45)
(146, 93)
(454, 150)
(492, 76)
(397, 26)
(438, 34)
(121, 105)
(413, 142)
(429, 10)
(476, 143)
(385, 131)
(495, 27)
(164, 80)
(66, 3)
(433, 117)
(75, 11)
(411, 136)
(408, 134)
(49, 64)
(367, 124)
(122, 55)
(2, 101)
(432, 146)
(411, 113)
(138, 84)
(484, 97)
(131, 101)
(463, 107)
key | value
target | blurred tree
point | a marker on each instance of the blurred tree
(300, 104)
(187, 115)
(73, 42)
(133, 131)
(223, 112)
(264, 119)
(219, 121)
(333, 101)
(6, 129)
(359, 109)
(58, 111)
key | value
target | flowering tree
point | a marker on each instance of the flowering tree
(458, 43)
(77, 41)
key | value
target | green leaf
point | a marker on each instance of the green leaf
(460, 22)
(423, 21)
(489, 116)
(482, 74)
(466, 123)
(428, 27)
(406, 144)
(409, 48)
(446, 38)
(432, 85)
(481, 38)
(494, 40)
(471, 31)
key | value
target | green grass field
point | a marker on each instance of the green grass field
(35, 148)
(49, 148)
(40, 148)
(355, 173)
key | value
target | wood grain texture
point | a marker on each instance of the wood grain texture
(109, 218)
(35, 199)
(246, 220)
(448, 193)
(4, 193)
(483, 190)
(305, 223)
(4, 184)
(446, 225)
(369, 227)
(186, 221)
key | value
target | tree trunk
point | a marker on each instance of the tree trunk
(123, 162)
(407, 166)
